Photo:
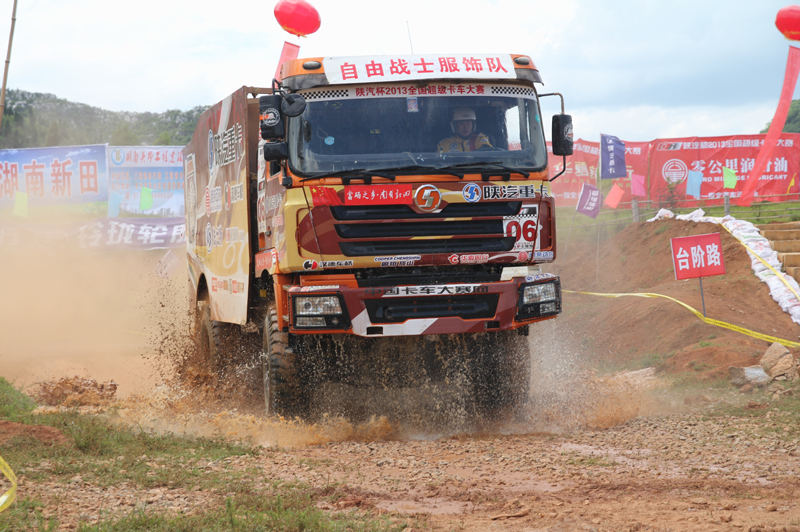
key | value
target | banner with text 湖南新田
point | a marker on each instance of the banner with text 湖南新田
(54, 181)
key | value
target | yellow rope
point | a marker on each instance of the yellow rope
(8, 497)
(718, 323)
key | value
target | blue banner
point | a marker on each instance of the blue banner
(612, 157)
(158, 170)
(74, 178)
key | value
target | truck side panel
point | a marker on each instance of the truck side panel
(218, 241)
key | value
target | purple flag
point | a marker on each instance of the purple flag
(612, 157)
(589, 201)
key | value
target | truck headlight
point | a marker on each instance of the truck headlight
(540, 300)
(324, 311)
(317, 305)
(538, 293)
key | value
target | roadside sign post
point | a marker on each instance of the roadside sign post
(697, 256)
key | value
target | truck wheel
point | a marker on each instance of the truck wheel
(210, 338)
(500, 369)
(283, 389)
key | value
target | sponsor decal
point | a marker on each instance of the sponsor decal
(568, 132)
(214, 284)
(273, 202)
(237, 193)
(523, 256)
(270, 117)
(261, 212)
(227, 197)
(319, 265)
(665, 146)
(277, 220)
(209, 238)
(543, 255)
(428, 198)
(234, 234)
(428, 290)
(480, 258)
(492, 192)
(311, 265)
(377, 195)
(320, 287)
(400, 260)
(674, 171)
(337, 264)
(225, 147)
(213, 200)
(471, 192)
(264, 260)
(538, 277)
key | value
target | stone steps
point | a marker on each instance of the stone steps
(785, 239)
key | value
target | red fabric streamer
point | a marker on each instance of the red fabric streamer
(775, 128)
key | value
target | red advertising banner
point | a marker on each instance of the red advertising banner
(697, 256)
(582, 168)
(671, 161)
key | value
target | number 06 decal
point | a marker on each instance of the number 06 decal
(523, 230)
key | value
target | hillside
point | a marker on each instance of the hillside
(34, 119)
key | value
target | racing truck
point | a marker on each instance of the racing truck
(375, 212)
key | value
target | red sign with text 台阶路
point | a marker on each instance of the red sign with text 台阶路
(697, 256)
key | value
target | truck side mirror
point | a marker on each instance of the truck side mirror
(293, 105)
(562, 134)
(270, 118)
(276, 151)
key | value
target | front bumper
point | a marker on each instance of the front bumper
(424, 309)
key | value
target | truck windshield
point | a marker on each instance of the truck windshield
(385, 127)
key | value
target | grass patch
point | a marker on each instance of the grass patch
(105, 455)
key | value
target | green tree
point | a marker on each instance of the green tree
(123, 135)
(164, 139)
(792, 124)
(53, 137)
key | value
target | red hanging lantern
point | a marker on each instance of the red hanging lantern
(298, 17)
(788, 22)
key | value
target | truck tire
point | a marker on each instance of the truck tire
(500, 369)
(210, 338)
(284, 394)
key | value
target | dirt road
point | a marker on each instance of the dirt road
(678, 450)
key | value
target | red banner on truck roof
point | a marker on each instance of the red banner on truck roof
(407, 67)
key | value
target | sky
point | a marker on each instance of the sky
(639, 70)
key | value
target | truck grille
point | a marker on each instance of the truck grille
(393, 310)
(401, 212)
(450, 245)
(411, 229)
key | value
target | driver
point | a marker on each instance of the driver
(465, 137)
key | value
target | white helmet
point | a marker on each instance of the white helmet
(460, 114)
(463, 113)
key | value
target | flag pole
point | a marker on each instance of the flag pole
(8, 60)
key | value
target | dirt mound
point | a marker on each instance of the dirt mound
(43, 433)
(74, 391)
(658, 332)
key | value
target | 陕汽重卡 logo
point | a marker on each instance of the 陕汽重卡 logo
(674, 171)
(471, 192)
(427, 198)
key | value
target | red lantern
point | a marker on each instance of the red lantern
(298, 17)
(788, 22)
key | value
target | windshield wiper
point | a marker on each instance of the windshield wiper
(480, 166)
(430, 169)
(347, 175)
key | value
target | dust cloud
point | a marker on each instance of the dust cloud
(67, 312)
(109, 317)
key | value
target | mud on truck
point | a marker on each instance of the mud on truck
(380, 220)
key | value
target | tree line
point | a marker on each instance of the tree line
(33, 120)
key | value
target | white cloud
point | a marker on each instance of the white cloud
(642, 69)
